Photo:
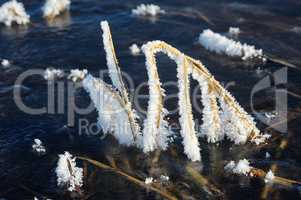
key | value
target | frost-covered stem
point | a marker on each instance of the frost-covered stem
(211, 127)
(190, 140)
(116, 76)
(155, 107)
(112, 62)
(243, 117)
(155, 113)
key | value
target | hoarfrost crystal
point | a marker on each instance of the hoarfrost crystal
(242, 167)
(52, 74)
(5, 63)
(269, 177)
(77, 75)
(38, 146)
(13, 11)
(53, 8)
(234, 31)
(149, 180)
(68, 175)
(223, 45)
(135, 50)
(164, 178)
(147, 10)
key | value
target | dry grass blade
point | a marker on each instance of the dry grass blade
(279, 180)
(203, 182)
(281, 62)
(129, 177)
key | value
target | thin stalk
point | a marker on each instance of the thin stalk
(129, 177)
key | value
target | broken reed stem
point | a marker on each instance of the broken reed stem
(128, 177)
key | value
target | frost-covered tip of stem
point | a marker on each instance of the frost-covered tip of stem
(53, 8)
(223, 45)
(68, 174)
(13, 12)
(112, 116)
(112, 62)
(147, 10)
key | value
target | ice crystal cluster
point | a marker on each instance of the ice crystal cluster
(147, 10)
(242, 167)
(5, 63)
(222, 115)
(77, 75)
(223, 45)
(52, 74)
(38, 146)
(68, 174)
(135, 50)
(149, 180)
(269, 177)
(234, 31)
(13, 12)
(53, 8)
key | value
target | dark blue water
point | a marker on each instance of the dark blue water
(73, 40)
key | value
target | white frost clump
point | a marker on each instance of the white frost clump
(270, 115)
(149, 180)
(234, 31)
(269, 177)
(147, 10)
(223, 45)
(135, 50)
(77, 75)
(38, 146)
(267, 155)
(164, 178)
(5, 63)
(242, 167)
(13, 11)
(52, 74)
(53, 8)
(68, 175)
